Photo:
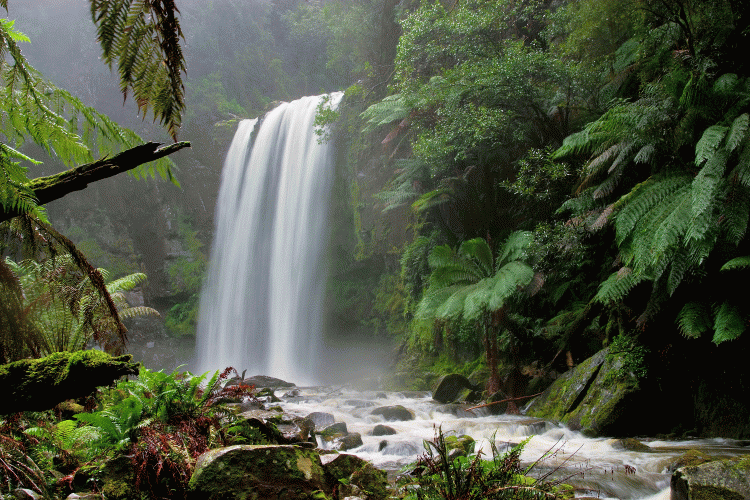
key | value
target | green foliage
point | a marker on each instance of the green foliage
(143, 38)
(64, 311)
(633, 355)
(436, 476)
(470, 283)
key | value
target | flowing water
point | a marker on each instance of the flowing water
(260, 311)
(597, 467)
(261, 304)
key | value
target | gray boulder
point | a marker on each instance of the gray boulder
(383, 430)
(450, 387)
(394, 413)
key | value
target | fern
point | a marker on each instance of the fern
(737, 263)
(143, 38)
(392, 108)
(728, 323)
(694, 319)
(616, 287)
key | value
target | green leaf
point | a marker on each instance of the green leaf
(729, 323)
(694, 319)
(709, 143)
(737, 263)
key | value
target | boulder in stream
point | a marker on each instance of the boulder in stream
(393, 413)
(598, 397)
(258, 471)
(262, 381)
(450, 387)
(383, 430)
(721, 479)
(356, 476)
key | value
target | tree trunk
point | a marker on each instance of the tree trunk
(56, 186)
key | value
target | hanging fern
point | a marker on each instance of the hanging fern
(694, 319)
(616, 287)
(728, 323)
(143, 38)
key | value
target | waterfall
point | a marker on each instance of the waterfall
(261, 303)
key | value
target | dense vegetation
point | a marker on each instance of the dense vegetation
(616, 133)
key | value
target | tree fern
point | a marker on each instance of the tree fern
(729, 323)
(694, 319)
(143, 38)
(392, 108)
(617, 286)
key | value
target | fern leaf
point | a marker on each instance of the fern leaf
(709, 143)
(616, 287)
(737, 215)
(137, 312)
(642, 198)
(508, 280)
(737, 132)
(728, 324)
(478, 251)
(514, 247)
(694, 319)
(737, 263)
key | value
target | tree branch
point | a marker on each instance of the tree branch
(56, 186)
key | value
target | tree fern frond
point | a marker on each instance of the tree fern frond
(709, 143)
(126, 283)
(514, 247)
(477, 250)
(138, 311)
(737, 263)
(392, 108)
(616, 287)
(144, 38)
(738, 132)
(507, 282)
(642, 198)
(728, 323)
(737, 215)
(694, 319)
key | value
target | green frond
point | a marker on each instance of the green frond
(478, 251)
(126, 283)
(738, 132)
(508, 280)
(137, 312)
(694, 319)
(709, 143)
(737, 263)
(616, 287)
(737, 215)
(392, 108)
(642, 198)
(514, 247)
(728, 324)
(431, 199)
(143, 37)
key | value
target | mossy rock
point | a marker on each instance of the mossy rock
(464, 443)
(598, 398)
(334, 431)
(394, 413)
(631, 444)
(371, 482)
(40, 384)
(118, 479)
(690, 458)
(258, 472)
(717, 480)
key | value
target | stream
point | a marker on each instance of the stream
(596, 467)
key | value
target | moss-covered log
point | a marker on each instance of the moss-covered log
(56, 186)
(40, 384)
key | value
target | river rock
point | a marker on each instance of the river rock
(321, 419)
(598, 397)
(393, 413)
(457, 410)
(463, 443)
(350, 470)
(689, 458)
(261, 381)
(334, 431)
(726, 479)
(349, 442)
(383, 430)
(449, 387)
(258, 471)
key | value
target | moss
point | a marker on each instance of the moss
(40, 384)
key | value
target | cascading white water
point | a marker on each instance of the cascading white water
(261, 304)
